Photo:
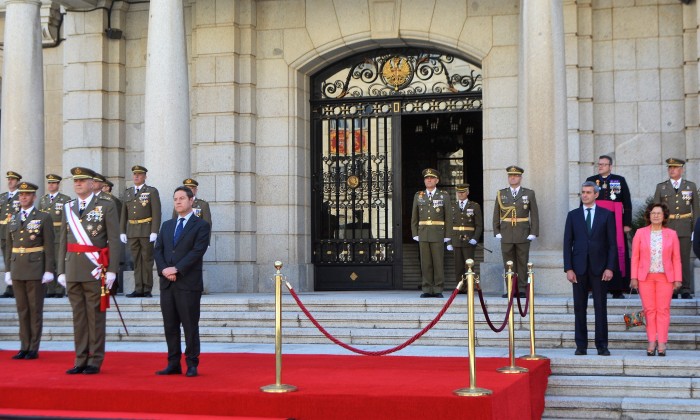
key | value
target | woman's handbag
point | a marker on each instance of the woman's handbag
(633, 319)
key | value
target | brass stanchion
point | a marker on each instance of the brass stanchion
(472, 391)
(511, 329)
(531, 279)
(278, 386)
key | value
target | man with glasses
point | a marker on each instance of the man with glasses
(615, 196)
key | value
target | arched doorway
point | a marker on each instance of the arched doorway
(378, 118)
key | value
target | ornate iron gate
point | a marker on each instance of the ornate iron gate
(356, 148)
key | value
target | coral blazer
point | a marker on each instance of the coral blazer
(670, 254)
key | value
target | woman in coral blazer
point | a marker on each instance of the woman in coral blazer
(656, 272)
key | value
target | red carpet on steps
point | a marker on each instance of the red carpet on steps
(330, 387)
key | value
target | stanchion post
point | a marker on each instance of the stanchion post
(472, 391)
(531, 279)
(511, 329)
(278, 386)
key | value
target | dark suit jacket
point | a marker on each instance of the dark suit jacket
(595, 252)
(187, 256)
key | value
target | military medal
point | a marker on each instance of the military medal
(605, 185)
(89, 227)
(525, 202)
(687, 196)
(32, 237)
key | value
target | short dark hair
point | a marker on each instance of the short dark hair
(606, 157)
(652, 206)
(186, 190)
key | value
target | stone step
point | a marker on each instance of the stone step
(622, 386)
(578, 407)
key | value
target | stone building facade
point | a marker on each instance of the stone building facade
(220, 90)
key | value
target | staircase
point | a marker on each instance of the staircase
(627, 385)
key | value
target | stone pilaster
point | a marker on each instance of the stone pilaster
(167, 103)
(22, 135)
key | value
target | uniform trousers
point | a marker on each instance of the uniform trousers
(142, 254)
(432, 264)
(181, 307)
(89, 323)
(462, 254)
(655, 292)
(519, 254)
(54, 287)
(29, 297)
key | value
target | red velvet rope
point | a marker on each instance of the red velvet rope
(486, 312)
(523, 313)
(373, 353)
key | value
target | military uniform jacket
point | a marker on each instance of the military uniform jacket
(7, 209)
(683, 205)
(438, 210)
(615, 186)
(100, 222)
(55, 211)
(516, 217)
(35, 232)
(140, 208)
(470, 217)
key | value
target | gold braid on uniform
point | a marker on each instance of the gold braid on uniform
(509, 211)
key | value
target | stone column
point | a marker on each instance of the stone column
(542, 134)
(167, 104)
(22, 136)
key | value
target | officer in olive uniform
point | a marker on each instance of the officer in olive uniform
(52, 204)
(614, 189)
(431, 226)
(140, 221)
(516, 224)
(467, 227)
(29, 259)
(680, 195)
(199, 207)
(107, 189)
(93, 219)
(9, 205)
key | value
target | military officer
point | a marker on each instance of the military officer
(200, 207)
(679, 195)
(615, 196)
(516, 224)
(90, 226)
(140, 221)
(29, 259)
(467, 227)
(107, 189)
(52, 204)
(9, 205)
(431, 226)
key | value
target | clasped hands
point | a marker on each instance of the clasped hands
(170, 273)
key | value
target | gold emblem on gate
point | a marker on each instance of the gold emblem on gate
(397, 72)
(354, 276)
(353, 181)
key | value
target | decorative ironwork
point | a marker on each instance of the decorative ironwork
(422, 105)
(398, 72)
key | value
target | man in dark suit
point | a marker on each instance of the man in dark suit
(179, 254)
(590, 258)
(696, 238)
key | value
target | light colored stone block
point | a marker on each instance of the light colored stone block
(502, 92)
(649, 117)
(215, 98)
(624, 54)
(492, 7)
(672, 116)
(272, 131)
(671, 19)
(272, 73)
(673, 144)
(502, 61)
(270, 44)
(603, 56)
(602, 24)
(217, 157)
(603, 87)
(225, 69)
(272, 160)
(297, 43)
(671, 84)
(671, 52)
(204, 69)
(604, 118)
(625, 117)
(648, 85)
(275, 101)
(448, 18)
(637, 149)
(477, 35)
(215, 40)
(585, 52)
(280, 14)
(635, 22)
(647, 53)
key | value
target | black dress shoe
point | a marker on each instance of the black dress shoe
(32, 355)
(147, 294)
(50, 295)
(618, 295)
(75, 369)
(170, 370)
(426, 295)
(581, 352)
(634, 291)
(91, 370)
(58, 295)
(134, 294)
(505, 295)
(191, 371)
(7, 295)
(438, 295)
(20, 354)
(603, 351)
(686, 295)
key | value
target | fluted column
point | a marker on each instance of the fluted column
(22, 135)
(167, 105)
(542, 132)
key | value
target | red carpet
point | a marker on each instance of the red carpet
(330, 387)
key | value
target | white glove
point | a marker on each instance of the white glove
(48, 277)
(152, 237)
(109, 279)
(415, 238)
(691, 236)
(446, 240)
(8, 278)
(531, 237)
(498, 236)
(472, 242)
(122, 237)
(450, 248)
(62, 280)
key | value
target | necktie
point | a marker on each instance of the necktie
(178, 230)
(589, 224)
(461, 205)
(83, 204)
(430, 196)
(515, 192)
(51, 198)
(24, 215)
